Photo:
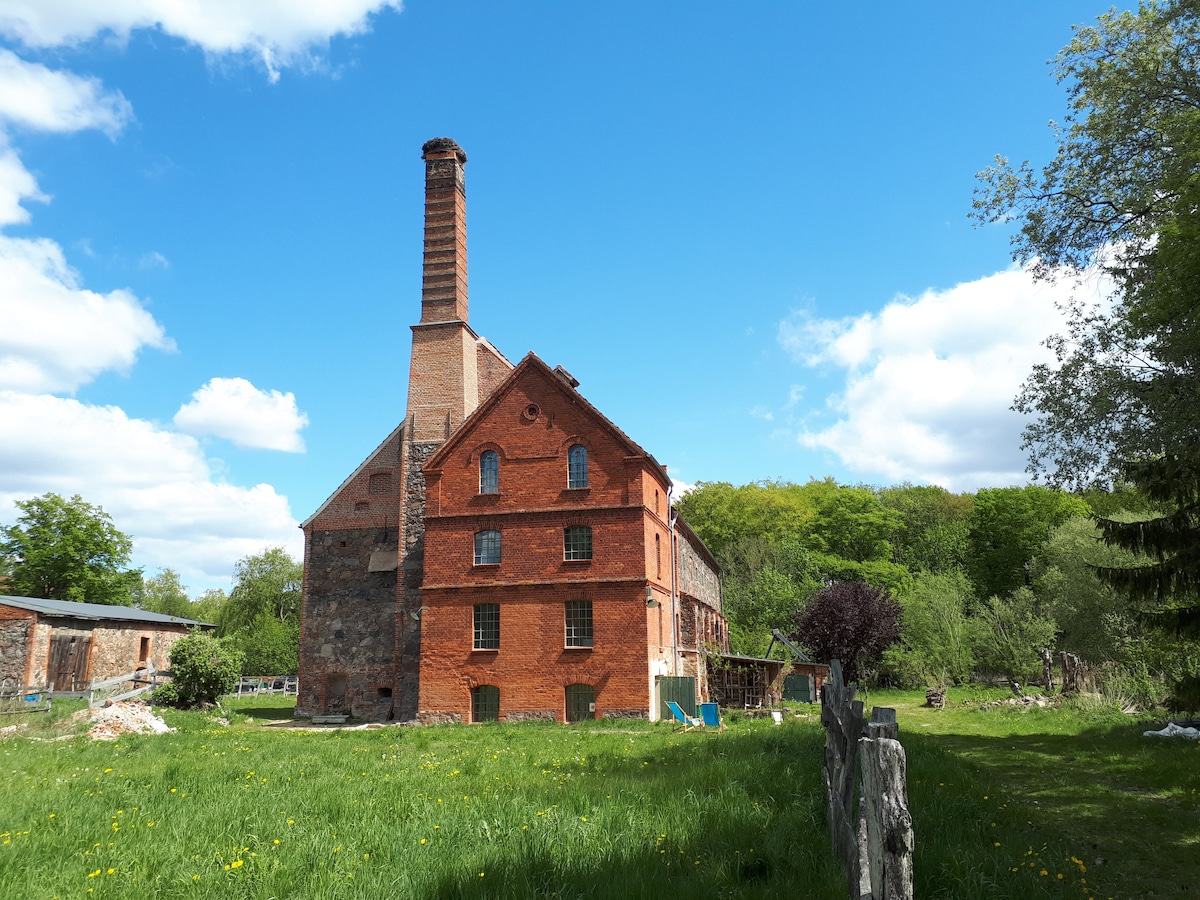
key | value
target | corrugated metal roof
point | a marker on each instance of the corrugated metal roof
(96, 611)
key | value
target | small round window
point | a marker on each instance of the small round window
(532, 411)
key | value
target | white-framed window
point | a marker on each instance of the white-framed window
(487, 548)
(579, 623)
(489, 472)
(577, 466)
(487, 626)
(577, 542)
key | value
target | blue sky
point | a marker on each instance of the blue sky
(743, 228)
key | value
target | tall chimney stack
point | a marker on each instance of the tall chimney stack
(444, 278)
(443, 378)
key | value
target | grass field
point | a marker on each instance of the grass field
(1004, 803)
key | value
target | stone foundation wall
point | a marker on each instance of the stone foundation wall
(532, 715)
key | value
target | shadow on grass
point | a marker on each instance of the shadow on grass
(1123, 804)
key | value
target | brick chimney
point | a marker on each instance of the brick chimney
(443, 379)
(444, 279)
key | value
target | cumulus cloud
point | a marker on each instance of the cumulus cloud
(58, 335)
(277, 32)
(16, 185)
(155, 483)
(43, 99)
(235, 409)
(929, 380)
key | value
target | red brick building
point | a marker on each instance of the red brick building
(507, 552)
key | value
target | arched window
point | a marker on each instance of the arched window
(581, 702)
(489, 472)
(577, 542)
(577, 476)
(485, 703)
(487, 548)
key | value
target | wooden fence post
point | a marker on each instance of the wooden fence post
(889, 823)
(875, 846)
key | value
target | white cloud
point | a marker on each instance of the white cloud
(679, 488)
(57, 335)
(929, 381)
(234, 408)
(36, 97)
(277, 32)
(156, 485)
(16, 184)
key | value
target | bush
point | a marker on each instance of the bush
(202, 669)
(165, 695)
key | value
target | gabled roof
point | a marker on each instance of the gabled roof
(366, 462)
(71, 609)
(558, 382)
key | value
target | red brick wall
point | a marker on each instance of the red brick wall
(531, 428)
(533, 666)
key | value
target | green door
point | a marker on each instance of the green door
(799, 688)
(581, 702)
(681, 689)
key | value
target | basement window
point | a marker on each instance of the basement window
(485, 703)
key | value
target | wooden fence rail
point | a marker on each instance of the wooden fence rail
(875, 842)
(96, 693)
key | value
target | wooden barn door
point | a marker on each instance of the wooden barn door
(68, 662)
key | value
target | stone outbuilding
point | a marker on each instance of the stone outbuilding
(61, 645)
(507, 552)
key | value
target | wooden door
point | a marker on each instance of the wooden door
(68, 662)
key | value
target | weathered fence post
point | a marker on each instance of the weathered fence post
(889, 834)
(842, 717)
(875, 847)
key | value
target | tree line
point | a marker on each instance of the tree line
(69, 549)
(914, 585)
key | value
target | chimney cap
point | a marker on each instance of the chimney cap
(443, 145)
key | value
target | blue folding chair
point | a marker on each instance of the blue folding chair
(688, 723)
(711, 716)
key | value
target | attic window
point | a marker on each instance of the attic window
(362, 506)
(380, 483)
(531, 412)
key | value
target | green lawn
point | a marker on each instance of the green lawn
(610, 809)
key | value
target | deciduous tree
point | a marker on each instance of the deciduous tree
(164, 593)
(1007, 528)
(849, 621)
(1120, 196)
(68, 550)
(262, 614)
